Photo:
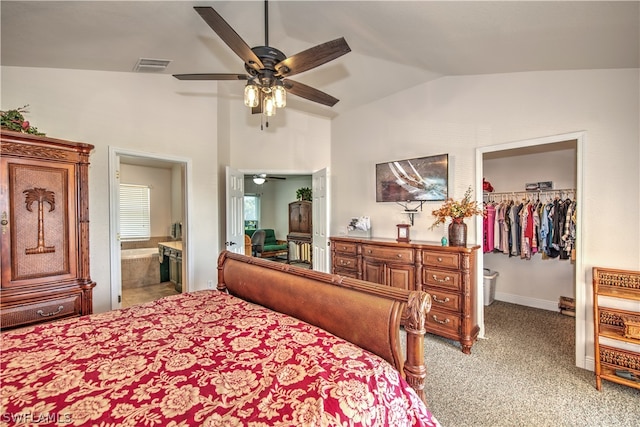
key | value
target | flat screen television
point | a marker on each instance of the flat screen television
(420, 179)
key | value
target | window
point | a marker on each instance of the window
(251, 211)
(135, 212)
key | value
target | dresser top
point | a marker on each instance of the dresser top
(420, 244)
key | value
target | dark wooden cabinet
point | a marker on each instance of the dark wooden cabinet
(45, 230)
(300, 237)
(448, 274)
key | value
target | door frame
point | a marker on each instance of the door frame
(580, 284)
(114, 205)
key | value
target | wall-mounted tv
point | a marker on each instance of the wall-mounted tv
(420, 179)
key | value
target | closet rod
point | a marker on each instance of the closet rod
(500, 196)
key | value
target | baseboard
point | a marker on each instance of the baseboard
(527, 301)
(590, 363)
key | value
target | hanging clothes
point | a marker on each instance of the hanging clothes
(528, 227)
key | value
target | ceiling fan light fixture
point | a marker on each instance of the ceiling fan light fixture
(259, 180)
(279, 94)
(269, 106)
(251, 95)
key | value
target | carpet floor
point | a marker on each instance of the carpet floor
(522, 374)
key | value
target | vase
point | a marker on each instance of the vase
(457, 232)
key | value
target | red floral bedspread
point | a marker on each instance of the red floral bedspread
(204, 358)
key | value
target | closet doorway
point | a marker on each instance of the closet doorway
(532, 279)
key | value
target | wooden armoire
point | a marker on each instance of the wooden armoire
(44, 210)
(300, 237)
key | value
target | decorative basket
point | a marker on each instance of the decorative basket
(631, 327)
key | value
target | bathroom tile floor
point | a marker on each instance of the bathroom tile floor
(147, 293)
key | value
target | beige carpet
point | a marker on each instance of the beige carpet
(523, 374)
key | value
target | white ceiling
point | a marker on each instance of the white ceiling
(395, 44)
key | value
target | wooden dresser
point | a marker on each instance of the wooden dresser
(45, 230)
(300, 237)
(616, 328)
(448, 274)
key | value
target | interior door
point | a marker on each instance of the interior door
(234, 241)
(321, 253)
(114, 233)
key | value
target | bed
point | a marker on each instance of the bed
(274, 345)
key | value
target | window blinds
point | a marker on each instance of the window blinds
(135, 212)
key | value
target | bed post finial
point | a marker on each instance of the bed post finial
(415, 369)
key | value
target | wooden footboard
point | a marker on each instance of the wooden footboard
(364, 313)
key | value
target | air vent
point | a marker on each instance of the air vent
(145, 65)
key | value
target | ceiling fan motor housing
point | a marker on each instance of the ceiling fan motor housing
(269, 56)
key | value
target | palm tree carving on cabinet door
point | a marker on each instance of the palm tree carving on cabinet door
(40, 196)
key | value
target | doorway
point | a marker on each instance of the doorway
(139, 271)
(578, 285)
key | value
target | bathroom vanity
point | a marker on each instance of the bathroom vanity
(173, 251)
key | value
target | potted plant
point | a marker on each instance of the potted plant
(457, 211)
(304, 194)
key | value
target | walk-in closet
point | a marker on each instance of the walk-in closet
(532, 248)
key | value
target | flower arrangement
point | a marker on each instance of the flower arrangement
(14, 120)
(457, 210)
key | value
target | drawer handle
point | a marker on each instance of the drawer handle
(446, 279)
(399, 255)
(369, 251)
(442, 322)
(439, 259)
(344, 248)
(441, 301)
(344, 263)
(53, 313)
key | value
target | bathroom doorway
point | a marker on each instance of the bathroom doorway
(140, 271)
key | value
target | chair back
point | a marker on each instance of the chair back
(257, 242)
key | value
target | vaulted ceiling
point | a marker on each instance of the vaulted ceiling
(395, 44)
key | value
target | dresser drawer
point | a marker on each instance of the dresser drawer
(344, 262)
(442, 299)
(446, 324)
(441, 278)
(397, 255)
(345, 248)
(42, 311)
(441, 259)
(353, 274)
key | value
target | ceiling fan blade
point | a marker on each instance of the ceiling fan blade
(229, 36)
(211, 76)
(307, 92)
(312, 57)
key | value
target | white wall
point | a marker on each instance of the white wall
(456, 115)
(159, 182)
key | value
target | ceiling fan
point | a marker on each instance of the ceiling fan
(267, 68)
(261, 178)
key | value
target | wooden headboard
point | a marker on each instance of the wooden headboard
(364, 313)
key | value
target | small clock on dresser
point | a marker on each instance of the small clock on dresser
(403, 233)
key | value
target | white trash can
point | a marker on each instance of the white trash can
(489, 286)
